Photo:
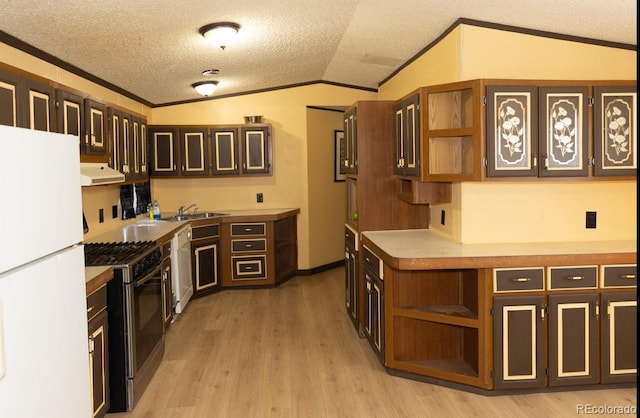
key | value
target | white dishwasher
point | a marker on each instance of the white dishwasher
(181, 268)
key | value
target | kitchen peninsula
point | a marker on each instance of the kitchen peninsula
(491, 318)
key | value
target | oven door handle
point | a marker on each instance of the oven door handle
(148, 277)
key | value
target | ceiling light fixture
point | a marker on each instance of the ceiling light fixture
(207, 73)
(220, 34)
(205, 88)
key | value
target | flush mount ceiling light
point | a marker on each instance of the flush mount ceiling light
(205, 88)
(220, 34)
(210, 72)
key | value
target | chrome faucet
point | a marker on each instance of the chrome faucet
(182, 209)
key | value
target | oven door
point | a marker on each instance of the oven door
(145, 319)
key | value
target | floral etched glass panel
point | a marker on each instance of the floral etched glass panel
(618, 131)
(564, 131)
(512, 131)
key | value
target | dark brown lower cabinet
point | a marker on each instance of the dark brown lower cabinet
(374, 312)
(519, 343)
(167, 291)
(98, 350)
(205, 253)
(351, 276)
(618, 336)
(573, 339)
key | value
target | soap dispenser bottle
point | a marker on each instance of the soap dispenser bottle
(156, 210)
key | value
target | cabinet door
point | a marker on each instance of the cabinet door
(41, 103)
(374, 313)
(618, 336)
(95, 123)
(163, 150)
(114, 117)
(11, 100)
(224, 142)
(144, 150)
(564, 131)
(573, 339)
(127, 144)
(399, 127)
(256, 153)
(512, 131)
(412, 136)
(351, 285)
(194, 148)
(350, 142)
(518, 329)
(70, 116)
(135, 148)
(615, 135)
(204, 257)
(99, 363)
(167, 292)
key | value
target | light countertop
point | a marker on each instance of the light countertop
(421, 248)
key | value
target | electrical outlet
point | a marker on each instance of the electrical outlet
(442, 217)
(114, 211)
(101, 215)
(259, 198)
(591, 220)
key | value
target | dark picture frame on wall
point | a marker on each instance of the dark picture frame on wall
(338, 166)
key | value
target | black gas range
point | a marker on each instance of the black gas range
(135, 316)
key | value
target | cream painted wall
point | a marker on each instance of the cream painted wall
(475, 214)
(327, 198)
(286, 111)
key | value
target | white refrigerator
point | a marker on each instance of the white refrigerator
(44, 356)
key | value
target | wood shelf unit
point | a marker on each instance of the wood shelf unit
(438, 322)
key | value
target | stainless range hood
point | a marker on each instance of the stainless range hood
(95, 174)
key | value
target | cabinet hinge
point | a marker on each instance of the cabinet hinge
(57, 104)
(546, 371)
(491, 373)
(591, 101)
(491, 314)
(484, 100)
(485, 162)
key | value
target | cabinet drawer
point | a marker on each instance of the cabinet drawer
(518, 280)
(208, 231)
(574, 277)
(249, 268)
(166, 249)
(351, 237)
(96, 302)
(247, 229)
(243, 245)
(372, 262)
(618, 275)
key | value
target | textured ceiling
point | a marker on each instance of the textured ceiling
(152, 48)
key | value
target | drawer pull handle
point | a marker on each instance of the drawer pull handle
(575, 278)
(247, 230)
(367, 259)
(248, 245)
(89, 309)
(522, 279)
(628, 276)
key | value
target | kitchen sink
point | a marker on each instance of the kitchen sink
(192, 216)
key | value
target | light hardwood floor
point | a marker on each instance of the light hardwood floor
(291, 351)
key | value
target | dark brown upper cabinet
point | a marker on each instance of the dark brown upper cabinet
(216, 150)
(407, 135)
(563, 131)
(70, 115)
(512, 131)
(256, 152)
(225, 146)
(537, 131)
(615, 135)
(194, 149)
(40, 106)
(11, 100)
(95, 128)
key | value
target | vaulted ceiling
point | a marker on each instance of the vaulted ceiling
(152, 48)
